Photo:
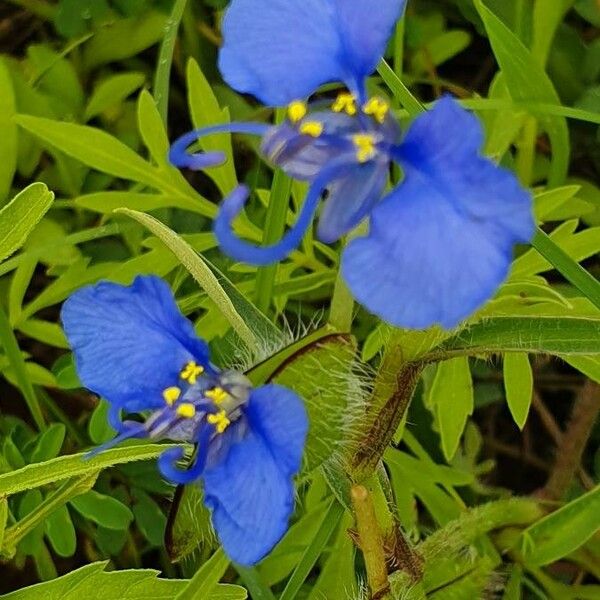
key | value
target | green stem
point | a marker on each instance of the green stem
(165, 59)
(274, 228)
(526, 151)
(17, 362)
(400, 91)
(251, 579)
(371, 542)
(342, 306)
(69, 489)
(570, 269)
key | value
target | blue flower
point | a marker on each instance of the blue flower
(442, 241)
(133, 347)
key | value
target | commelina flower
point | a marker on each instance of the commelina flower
(133, 347)
(441, 242)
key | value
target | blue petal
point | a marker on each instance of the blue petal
(250, 490)
(442, 242)
(130, 343)
(351, 199)
(282, 50)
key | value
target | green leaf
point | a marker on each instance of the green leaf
(200, 271)
(550, 335)
(8, 139)
(103, 510)
(49, 443)
(527, 82)
(569, 268)
(152, 130)
(61, 532)
(189, 525)
(149, 518)
(206, 578)
(518, 383)
(112, 91)
(162, 77)
(123, 38)
(321, 373)
(310, 556)
(21, 215)
(91, 146)
(563, 531)
(451, 397)
(92, 581)
(75, 465)
(588, 365)
(205, 111)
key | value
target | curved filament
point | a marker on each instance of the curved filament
(243, 251)
(180, 157)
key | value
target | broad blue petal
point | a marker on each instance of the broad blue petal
(442, 242)
(130, 343)
(250, 489)
(351, 198)
(365, 29)
(282, 50)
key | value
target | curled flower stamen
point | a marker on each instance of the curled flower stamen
(377, 108)
(365, 146)
(345, 102)
(311, 128)
(297, 111)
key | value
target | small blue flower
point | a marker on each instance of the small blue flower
(133, 347)
(442, 241)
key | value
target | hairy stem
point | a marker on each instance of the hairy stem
(371, 542)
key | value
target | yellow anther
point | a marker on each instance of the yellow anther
(186, 411)
(191, 372)
(217, 395)
(345, 103)
(377, 108)
(365, 146)
(171, 395)
(312, 128)
(296, 111)
(219, 420)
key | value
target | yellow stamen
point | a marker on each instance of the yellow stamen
(296, 111)
(171, 395)
(377, 108)
(345, 103)
(191, 372)
(365, 146)
(186, 411)
(219, 420)
(312, 128)
(217, 395)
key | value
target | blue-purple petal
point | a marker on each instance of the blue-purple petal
(249, 487)
(130, 343)
(442, 242)
(282, 50)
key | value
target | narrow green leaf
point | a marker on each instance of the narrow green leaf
(566, 266)
(518, 383)
(549, 335)
(400, 91)
(205, 111)
(251, 579)
(106, 511)
(21, 215)
(451, 397)
(588, 365)
(563, 531)
(162, 79)
(152, 129)
(527, 81)
(91, 146)
(199, 270)
(74, 465)
(19, 367)
(311, 554)
(8, 139)
(111, 92)
(206, 578)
